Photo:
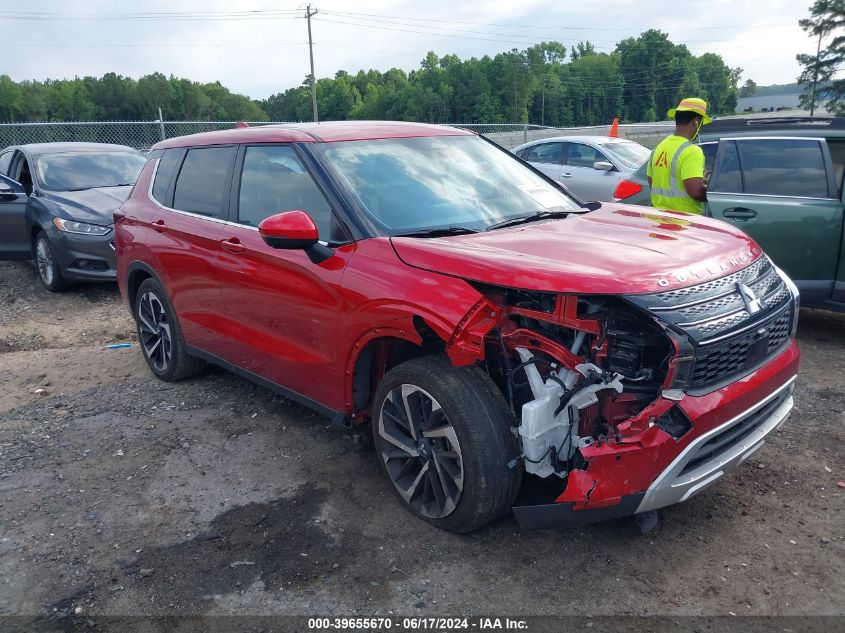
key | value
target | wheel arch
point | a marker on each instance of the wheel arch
(379, 350)
(136, 274)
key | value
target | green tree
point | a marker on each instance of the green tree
(12, 100)
(749, 88)
(818, 74)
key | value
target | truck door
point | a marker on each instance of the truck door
(781, 192)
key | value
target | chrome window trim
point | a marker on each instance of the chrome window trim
(199, 216)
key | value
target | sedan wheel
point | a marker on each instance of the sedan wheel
(48, 268)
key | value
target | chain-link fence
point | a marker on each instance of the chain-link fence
(145, 134)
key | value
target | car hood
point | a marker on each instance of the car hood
(617, 249)
(90, 205)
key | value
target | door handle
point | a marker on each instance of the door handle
(566, 175)
(739, 213)
(233, 245)
(159, 226)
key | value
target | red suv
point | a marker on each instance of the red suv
(511, 348)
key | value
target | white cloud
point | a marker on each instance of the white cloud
(259, 57)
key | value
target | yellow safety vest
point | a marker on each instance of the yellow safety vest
(674, 160)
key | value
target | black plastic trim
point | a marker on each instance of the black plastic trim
(561, 515)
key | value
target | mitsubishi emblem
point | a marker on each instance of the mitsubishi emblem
(753, 304)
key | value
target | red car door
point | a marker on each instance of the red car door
(283, 312)
(186, 239)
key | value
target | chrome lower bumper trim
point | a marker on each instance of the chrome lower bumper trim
(674, 486)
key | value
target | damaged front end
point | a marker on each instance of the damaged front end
(594, 383)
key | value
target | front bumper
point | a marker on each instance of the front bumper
(84, 257)
(728, 426)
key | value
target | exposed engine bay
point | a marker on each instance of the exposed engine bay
(581, 372)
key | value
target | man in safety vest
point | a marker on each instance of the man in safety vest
(676, 167)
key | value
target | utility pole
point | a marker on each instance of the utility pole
(816, 75)
(308, 14)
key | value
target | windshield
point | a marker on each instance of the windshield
(74, 171)
(413, 184)
(628, 153)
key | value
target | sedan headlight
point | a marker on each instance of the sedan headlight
(82, 228)
(796, 298)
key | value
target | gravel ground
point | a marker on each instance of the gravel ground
(120, 494)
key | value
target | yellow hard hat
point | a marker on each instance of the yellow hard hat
(699, 106)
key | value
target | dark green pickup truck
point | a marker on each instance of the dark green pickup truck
(781, 181)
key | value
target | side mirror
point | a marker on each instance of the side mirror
(603, 165)
(294, 230)
(7, 186)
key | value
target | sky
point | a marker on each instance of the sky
(259, 47)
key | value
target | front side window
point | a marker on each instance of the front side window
(783, 167)
(414, 184)
(76, 171)
(274, 180)
(203, 181)
(545, 153)
(580, 155)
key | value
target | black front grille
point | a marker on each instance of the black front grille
(740, 354)
(732, 334)
(732, 436)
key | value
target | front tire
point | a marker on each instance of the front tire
(45, 261)
(443, 439)
(160, 336)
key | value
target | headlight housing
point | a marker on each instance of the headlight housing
(796, 298)
(80, 228)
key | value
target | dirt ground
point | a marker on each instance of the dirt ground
(121, 494)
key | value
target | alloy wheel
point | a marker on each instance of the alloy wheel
(420, 451)
(44, 261)
(154, 331)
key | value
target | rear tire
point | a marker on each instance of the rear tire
(160, 336)
(46, 264)
(443, 439)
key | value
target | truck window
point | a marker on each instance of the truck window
(783, 167)
(727, 177)
(837, 155)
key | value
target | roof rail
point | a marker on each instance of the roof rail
(749, 124)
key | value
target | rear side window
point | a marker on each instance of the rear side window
(203, 181)
(274, 180)
(544, 153)
(168, 163)
(727, 176)
(783, 167)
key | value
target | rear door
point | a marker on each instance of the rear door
(546, 157)
(585, 181)
(14, 238)
(186, 233)
(285, 312)
(781, 191)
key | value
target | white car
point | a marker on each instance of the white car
(589, 166)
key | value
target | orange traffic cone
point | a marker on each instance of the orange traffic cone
(614, 129)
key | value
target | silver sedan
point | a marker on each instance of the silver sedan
(589, 166)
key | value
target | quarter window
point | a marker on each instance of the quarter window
(545, 153)
(168, 163)
(204, 180)
(274, 180)
(783, 167)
